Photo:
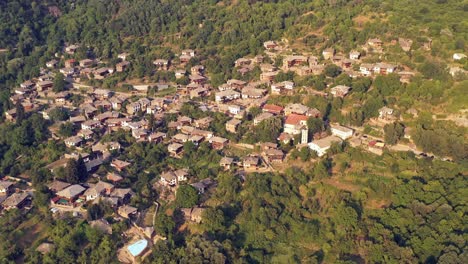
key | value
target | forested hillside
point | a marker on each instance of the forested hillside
(347, 206)
(222, 30)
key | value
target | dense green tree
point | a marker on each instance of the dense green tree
(441, 138)
(71, 172)
(387, 84)
(228, 187)
(304, 153)
(320, 170)
(200, 250)
(59, 83)
(151, 122)
(371, 107)
(343, 79)
(95, 212)
(20, 113)
(433, 70)
(67, 129)
(318, 82)
(213, 220)
(331, 70)
(105, 252)
(82, 172)
(266, 131)
(5, 102)
(162, 252)
(23, 135)
(315, 125)
(254, 111)
(284, 76)
(394, 132)
(164, 224)
(186, 196)
(59, 114)
(347, 217)
(361, 85)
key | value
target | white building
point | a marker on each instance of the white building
(384, 68)
(278, 88)
(5, 187)
(227, 95)
(180, 73)
(385, 113)
(73, 141)
(454, 71)
(90, 124)
(354, 55)
(173, 178)
(123, 56)
(294, 124)
(366, 69)
(458, 56)
(341, 131)
(340, 90)
(181, 175)
(168, 178)
(322, 145)
(133, 107)
(234, 109)
(188, 52)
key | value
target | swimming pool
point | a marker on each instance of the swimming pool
(138, 247)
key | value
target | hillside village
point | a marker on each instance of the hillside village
(233, 131)
(218, 117)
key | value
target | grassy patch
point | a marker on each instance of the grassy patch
(30, 231)
(165, 92)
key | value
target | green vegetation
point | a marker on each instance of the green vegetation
(394, 132)
(266, 131)
(441, 138)
(186, 196)
(59, 83)
(380, 210)
(75, 241)
(75, 171)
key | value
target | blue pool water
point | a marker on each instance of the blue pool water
(136, 248)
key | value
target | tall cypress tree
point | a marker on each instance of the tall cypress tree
(59, 83)
(20, 114)
(82, 172)
(151, 123)
(72, 172)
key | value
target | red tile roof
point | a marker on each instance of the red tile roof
(295, 119)
(273, 108)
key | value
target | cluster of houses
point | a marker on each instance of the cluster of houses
(194, 131)
(303, 64)
(12, 197)
(103, 111)
(89, 68)
(69, 196)
(172, 178)
(310, 65)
